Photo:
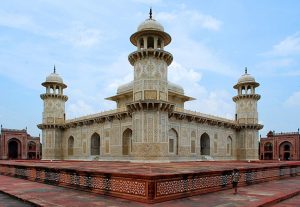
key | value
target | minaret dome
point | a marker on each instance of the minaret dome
(150, 35)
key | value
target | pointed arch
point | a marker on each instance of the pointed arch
(31, 150)
(14, 148)
(205, 144)
(268, 146)
(268, 151)
(159, 43)
(127, 142)
(95, 144)
(193, 142)
(173, 141)
(229, 146)
(285, 150)
(141, 41)
(150, 42)
(71, 145)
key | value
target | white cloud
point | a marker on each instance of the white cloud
(178, 73)
(279, 66)
(287, 47)
(79, 35)
(282, 59)
(75, 33)
(92, 84)
(79, 108)
(211, 102)
(293, 100)
(195, 54)
(199, 56)
(191, 18)
(17, 21)
(148, 2)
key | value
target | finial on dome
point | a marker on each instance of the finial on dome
(54, 70)
(150, 13)
(246, 70)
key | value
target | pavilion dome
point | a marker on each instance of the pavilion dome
(150, 24)
(54, 78)
(176, 88)
(125, 87)
(246, 78)
(150, 27)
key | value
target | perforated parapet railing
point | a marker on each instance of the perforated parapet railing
(147, 188)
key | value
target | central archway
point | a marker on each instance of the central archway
(14, 150)
(127, 142)
(205, 144)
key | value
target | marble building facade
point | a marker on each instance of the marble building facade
(150, 122)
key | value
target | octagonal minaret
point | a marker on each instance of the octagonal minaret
(247, 117)
(150, 61)
(150, 105)
(53, 116)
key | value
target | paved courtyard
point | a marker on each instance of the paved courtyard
(148, 168)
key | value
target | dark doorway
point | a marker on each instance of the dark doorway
(268, 156)
(287, 156)
(95, 144)
(285, 150)
(13, 149)
(127, 142)
(205, 144)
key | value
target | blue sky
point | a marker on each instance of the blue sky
(88, 41)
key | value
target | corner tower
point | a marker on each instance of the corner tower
(247, 117)
(150, 105)
(53, 116)
(150, 61)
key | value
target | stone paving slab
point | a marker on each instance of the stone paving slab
(262, 194)
(9, 201)
(291, 202)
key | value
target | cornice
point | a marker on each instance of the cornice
(246, 96)
(150, 105)
(144, 53)
(51, 95)
(50, 126)
(190, 116)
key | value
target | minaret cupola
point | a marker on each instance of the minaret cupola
(246, 84)
(151, 38)
(54, 83)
